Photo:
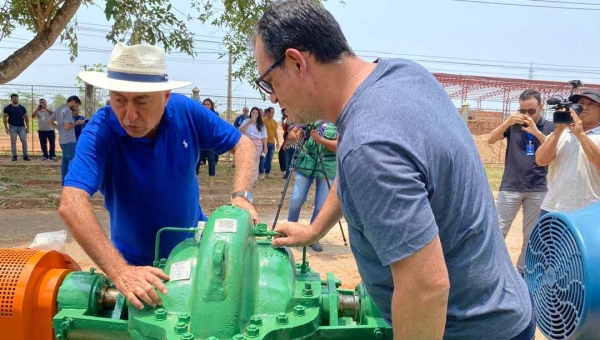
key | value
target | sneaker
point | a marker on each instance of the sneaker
(53, 159)
(316, 247)
(45, 159)
(14, 158)
(27, 159)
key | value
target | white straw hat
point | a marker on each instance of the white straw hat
(138, 68)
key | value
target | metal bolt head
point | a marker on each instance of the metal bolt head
(239, 337)
(378, 334)
(299, 310)
(281, 319)
(212, 338)
(256, 320)
(183, 317)
(92, 270)
(252, 331)
(189, 336)
(307, 291)
(180, 328)
(160, 314)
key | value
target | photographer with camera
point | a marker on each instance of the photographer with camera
(45, 132)
(574, 151)
(523, 182)
(320, 146)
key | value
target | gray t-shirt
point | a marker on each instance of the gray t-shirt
(64, 115)
(42, 118)
(408, 170)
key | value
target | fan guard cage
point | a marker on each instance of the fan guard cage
(555, 276)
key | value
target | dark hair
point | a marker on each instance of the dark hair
(259, 122)
(528, 94)
(41, 99)
(75, 99)
(303, 25)
(14, 95)
(212, 104)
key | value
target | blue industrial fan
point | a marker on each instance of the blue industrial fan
(563, 274)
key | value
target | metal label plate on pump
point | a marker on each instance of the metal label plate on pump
(180, 271)
(226, 225)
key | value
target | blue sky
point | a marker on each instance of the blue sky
(443, 35)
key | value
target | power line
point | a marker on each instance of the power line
(525, 5)
(565, 2)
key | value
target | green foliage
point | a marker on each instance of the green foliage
(150, 21)
(238, 21)
(155, 22)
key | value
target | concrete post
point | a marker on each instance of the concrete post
(196, 93)
(464, 110)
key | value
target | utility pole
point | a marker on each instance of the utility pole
(229, 93)
(531, 71)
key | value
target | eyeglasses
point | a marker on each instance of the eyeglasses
(262, 83)
(530, 111)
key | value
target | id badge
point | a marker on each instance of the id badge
(530, 149)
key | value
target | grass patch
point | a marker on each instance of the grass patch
(494, 174)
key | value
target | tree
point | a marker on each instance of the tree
(57, 101)
(133, 21)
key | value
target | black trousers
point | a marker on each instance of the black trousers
(47, 137)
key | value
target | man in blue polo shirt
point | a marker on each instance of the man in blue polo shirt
(524, 182)
(140, 153)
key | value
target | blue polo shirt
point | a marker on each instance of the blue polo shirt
(149, 184)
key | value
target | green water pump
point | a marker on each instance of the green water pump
(228, 282)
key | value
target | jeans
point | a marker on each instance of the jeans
(289, 154)
(47, 137)
(508, 205)
(301, 189)
(20, 131)
(266, 162)
(68, 155)
(210, 157)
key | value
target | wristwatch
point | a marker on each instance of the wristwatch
(245, 194)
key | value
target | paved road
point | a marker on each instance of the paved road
(19, 226)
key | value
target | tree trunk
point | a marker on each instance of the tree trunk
(17, 62)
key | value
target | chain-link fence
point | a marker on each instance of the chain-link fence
(29, 96)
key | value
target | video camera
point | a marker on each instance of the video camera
(562, 107)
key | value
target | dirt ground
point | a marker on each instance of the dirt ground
(29, 196)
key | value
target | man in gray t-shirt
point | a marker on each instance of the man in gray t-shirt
(45, 131)
(423, 226)
(63, 116)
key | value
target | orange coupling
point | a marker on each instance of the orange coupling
(29, 283)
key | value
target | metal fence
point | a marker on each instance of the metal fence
(29, 96)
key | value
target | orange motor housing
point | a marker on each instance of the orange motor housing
(29, 283)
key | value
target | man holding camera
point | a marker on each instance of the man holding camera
(523, 182)
(574, 150)
(45, 131)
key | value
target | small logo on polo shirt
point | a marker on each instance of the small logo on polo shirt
(185, 144)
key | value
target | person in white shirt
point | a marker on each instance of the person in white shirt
(255, 129)
(573, 151)
(45, 131)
